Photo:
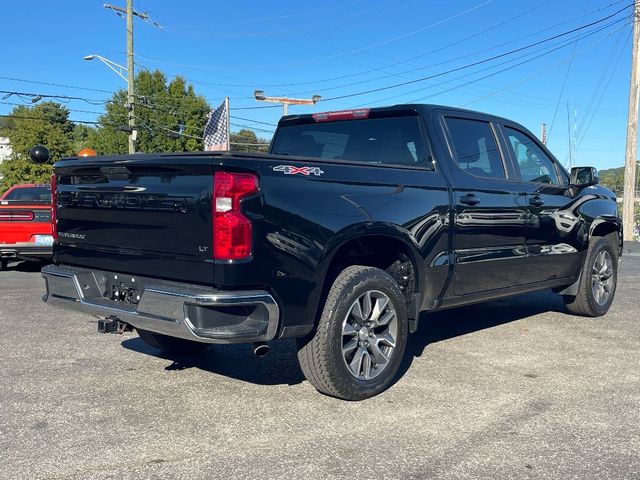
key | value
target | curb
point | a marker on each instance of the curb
(631, 248)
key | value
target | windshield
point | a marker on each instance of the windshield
(392, 140)
(29, 194)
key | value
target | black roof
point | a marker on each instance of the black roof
(423, 108)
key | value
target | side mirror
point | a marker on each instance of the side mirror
(39, 154)
(584, 176)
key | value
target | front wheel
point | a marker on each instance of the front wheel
(597, 282)
(360, 340)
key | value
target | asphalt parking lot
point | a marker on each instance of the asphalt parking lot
(515, 388)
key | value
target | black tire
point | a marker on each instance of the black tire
(3, 265)
(168, 344)
(585, 302)
(321, 354)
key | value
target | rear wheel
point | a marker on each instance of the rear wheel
(168, 344)
(3, 264)
(357, 348)
(597, 282)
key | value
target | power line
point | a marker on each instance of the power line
(537, 73)
(55, 120)
(50, 84)
(370, 70)
(9, 93)
(240, 125)
(174, 28)
(253, 34)
(478, 62)
(564, 83)
(254, 121)
(615, 67)
(545, 51)
(69, 109)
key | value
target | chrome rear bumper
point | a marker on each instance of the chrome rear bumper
(178, 310)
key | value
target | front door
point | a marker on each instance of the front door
(553, 239)
(490, 218)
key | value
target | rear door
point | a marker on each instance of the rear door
(490, 211)
(551, 240)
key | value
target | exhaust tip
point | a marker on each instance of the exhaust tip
(261, 349)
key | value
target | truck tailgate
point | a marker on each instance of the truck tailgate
(147, 216)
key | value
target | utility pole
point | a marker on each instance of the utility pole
(543, 133)
(259, 95)
(130, 78)
(631, 152)
(569, 135)
(130, 12)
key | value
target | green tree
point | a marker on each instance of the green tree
(21, 170)
(170, 117)
(613, 178)
(249, 139)
(45, 124)
(80, 137)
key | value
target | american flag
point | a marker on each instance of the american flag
(216, 132)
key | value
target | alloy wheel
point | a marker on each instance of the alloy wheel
(369, 333)
(602, 279)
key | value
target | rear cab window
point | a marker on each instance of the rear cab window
(387, 140)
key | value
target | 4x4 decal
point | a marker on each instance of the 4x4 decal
(291, 170)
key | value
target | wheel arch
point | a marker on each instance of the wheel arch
(380, 246)
(604, 226)
(601, 226)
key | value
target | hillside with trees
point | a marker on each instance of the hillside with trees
(613, 178)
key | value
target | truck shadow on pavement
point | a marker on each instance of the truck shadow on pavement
(281, 365)
(27, 266)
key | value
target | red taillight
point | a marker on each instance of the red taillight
(54, 208)
(341, 115)
(232, 232)
(16, 216)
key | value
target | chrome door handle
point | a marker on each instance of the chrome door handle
(469, 199)
(536, 201)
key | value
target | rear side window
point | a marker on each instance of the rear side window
(30, 194)
(476, 149)
(533, 164)
(392, 140)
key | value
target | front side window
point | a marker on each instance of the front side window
(534, 165)
(476, 149)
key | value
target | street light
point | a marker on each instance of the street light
(119, 69)
(259, 95)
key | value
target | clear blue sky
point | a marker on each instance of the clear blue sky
(335, 48)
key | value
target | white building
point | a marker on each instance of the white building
(5, 149)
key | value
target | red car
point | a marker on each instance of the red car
(25, 224)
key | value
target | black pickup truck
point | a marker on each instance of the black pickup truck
(353, 223)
